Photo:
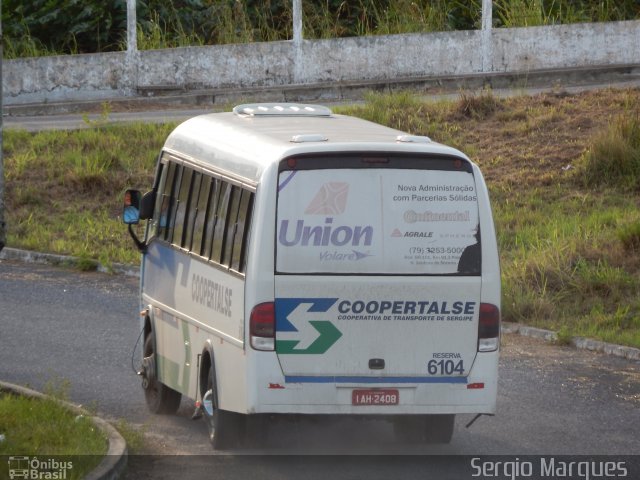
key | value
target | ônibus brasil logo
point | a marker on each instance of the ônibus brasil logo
(38, 469)
(330, 200)
(300, 326)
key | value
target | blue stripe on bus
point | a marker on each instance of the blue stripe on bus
(329, 379)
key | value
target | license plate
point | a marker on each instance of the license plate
(375, 397)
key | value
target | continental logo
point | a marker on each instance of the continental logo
(410, 216)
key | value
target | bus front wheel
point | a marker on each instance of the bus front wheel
(160, 398)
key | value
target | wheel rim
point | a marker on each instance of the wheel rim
(209, 408)
(149, 383)
(207, 403)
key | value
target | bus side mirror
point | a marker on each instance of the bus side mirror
(131, 207)
(147, 205)
(133, 201)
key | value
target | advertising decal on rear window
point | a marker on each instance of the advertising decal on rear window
(378, 221)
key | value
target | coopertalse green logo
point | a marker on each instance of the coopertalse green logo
(301, 328)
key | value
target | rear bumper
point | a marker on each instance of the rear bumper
(425, 395)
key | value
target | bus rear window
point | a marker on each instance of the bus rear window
(377, 221)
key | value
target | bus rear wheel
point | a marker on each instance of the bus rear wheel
(160, 398)
(226, 429)
(424, 428)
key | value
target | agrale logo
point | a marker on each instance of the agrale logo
(398, 234)
(329, 201)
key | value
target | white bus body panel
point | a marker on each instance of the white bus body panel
(194, 304)
(275, 395)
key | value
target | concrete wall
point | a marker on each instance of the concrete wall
(376, 58)
(217, 66)
(563, 46)
(49, 79)
(389, 56)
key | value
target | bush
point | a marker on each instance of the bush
(478, 106)
(64, 26)
(614, 157)
(630, 237)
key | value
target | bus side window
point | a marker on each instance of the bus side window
(192, 211)
(221, 222)
(163, 202)
(173, 201)
(242, 231)
(201, 215)
(154, 224)
(181, 206)
(210, 224)
(232, 225)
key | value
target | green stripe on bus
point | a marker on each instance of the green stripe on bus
(168, 372)
(186, 371)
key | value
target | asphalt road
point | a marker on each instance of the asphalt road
(57, 325)
(74, 121)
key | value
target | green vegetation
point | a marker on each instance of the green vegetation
(44, 428)
(42, 27)
(65, 187)
(134, 437)
(614, 158)
(563, 173)
(531, 13)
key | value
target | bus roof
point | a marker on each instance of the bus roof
(245, 144)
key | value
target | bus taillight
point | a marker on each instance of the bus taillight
(488, 328)
(262, 327)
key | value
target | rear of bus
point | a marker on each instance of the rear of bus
(387, 289)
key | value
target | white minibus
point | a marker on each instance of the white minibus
(297, 261)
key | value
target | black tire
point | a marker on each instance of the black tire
(439, 428)
(424, 428)
(160, 398)
(226, 429)
(409, 428)
(257, 430)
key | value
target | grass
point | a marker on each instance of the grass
(158, 34)
(45, 428)
(134, 437)
(25, 46)
(523, 13)
(239, 22)
(63, 187)
(614, 157)
(565, 204)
